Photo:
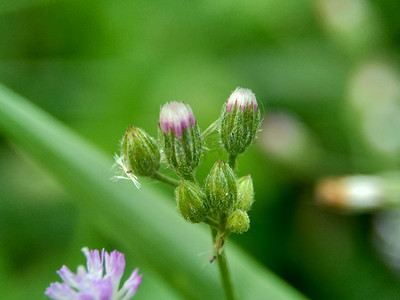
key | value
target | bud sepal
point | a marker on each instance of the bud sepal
(140, 152)
(245, 193)
(238, 221)
(190, 200)
(221, 188)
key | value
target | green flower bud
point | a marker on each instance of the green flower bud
(180, 139)
(140, 152)
(221, 188)
(240, 121)
(238, 221)
(191, 201)
(245, 193)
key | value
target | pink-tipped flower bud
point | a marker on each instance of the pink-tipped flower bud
(176, 117)
(242, 98)
(180, 139)
(240, 121)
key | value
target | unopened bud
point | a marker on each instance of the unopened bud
(221, 188)
(191, 201)
(180, 138)
(140, 152)
(245, 193)
(238, 221)
(240, 121)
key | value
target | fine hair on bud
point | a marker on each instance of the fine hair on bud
(180, 139)
(221, 188)
(140, 152)
(240, 121)
(190, 200)
(238, 221)
(245, 193)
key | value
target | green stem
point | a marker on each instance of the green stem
(213, 235)
(221, 258)
(225, 276)
(232, 160)
(166, 179)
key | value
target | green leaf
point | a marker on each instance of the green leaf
(145, 222)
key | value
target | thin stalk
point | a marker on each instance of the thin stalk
(210, 129)
(213, 224)
(225, 276)
(221, 258)
(213, 235)
(166, 179)
(232, 160)
(191, 177)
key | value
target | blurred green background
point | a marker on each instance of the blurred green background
(325, 71)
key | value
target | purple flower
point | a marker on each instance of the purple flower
(91, 283)
(242, 98)
(176, 116)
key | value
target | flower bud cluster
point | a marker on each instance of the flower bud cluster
(179, 141)
(231, 198)
(224, 200)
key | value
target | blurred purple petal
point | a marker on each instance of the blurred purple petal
(93, 284)
(130, 286)
(60, 291)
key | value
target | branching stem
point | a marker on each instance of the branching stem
(210, 221)
(166, 179)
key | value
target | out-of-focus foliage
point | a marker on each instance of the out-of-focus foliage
(326, 72)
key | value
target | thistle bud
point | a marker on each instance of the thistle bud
(191, 201)
(221, 188)
(245, 193)
(140, 152)
(240, 121)
(238, 221)
(180, 138)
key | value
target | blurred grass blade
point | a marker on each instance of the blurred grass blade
(144, 222)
